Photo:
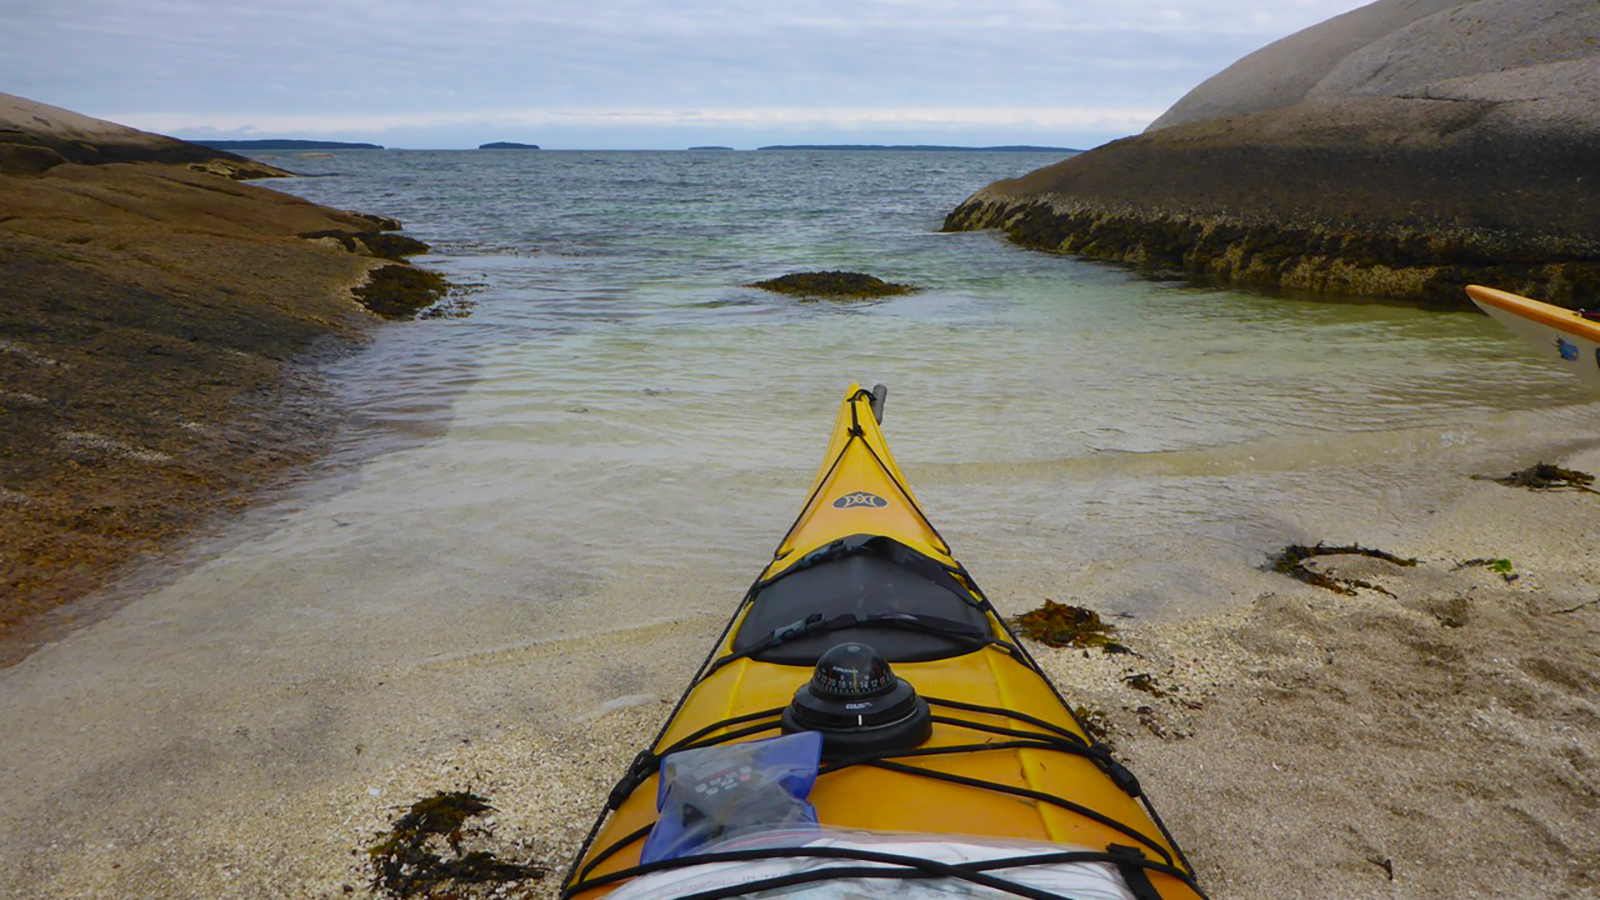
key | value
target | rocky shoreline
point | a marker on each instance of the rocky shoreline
(1215, 212)
(158, 342)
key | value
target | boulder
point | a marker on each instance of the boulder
(1282, 73)
(1401, 150)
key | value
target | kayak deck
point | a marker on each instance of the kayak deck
(1006, 758)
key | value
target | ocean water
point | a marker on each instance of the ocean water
(620, 409)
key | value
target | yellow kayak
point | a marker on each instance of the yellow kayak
(1563, 335)
(946, 754)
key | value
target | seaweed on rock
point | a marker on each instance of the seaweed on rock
(833, 284)
(1427, 265)
(400, 291)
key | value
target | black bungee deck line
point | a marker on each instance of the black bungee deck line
(1063, 742)
(1052, 738)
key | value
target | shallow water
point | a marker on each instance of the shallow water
(618, 403)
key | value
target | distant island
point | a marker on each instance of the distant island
(1014, 148)
(287, 144)
(507, 145)
(710, 148)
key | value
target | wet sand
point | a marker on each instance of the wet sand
(207, 742)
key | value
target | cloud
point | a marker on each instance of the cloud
(314, 65)
(761, 117)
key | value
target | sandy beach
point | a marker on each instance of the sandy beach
(1439, 742)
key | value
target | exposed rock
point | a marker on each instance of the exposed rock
(242, 170)
(85, 140)
(289, 144)
(383, 223)
(1402, 150)
(371, 243)
(846, 285)
(26, 159)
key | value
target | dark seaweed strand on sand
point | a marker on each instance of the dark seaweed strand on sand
(1542, 476)
(1289, 560)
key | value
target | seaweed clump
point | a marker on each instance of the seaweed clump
(411, 861)
(847, 285)
(401, 291)
(1063, 625)
(1542, 476)
(1290, 561)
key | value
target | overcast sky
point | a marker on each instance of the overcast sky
(661, 74)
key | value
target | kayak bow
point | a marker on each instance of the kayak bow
(1566, 336)
(972, 742)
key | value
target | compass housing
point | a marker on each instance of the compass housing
(859, 705)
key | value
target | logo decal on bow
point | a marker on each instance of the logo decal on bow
(860, 498)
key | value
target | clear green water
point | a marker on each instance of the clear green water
(618, 404)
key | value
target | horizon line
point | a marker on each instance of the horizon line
(721, 148)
